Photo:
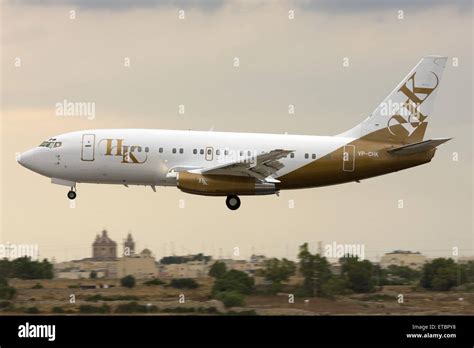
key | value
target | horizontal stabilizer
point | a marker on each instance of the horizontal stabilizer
(421, 146)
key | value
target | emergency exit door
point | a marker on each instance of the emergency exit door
(88, 146)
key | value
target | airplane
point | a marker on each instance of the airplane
(240, 164)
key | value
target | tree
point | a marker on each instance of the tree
(6, 292)
(230, 298)
(128, 281)
(278, 271)
(218, 269)
(359, 274)
(440, 274)
(234, 280)
(93, 275)
(25, 268)
(184, 283)
(466, 271)
(315, 270)
(399, 275)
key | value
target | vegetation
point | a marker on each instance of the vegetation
(6, 292)
(94, 309)
(231, 287)
(93, 275)
(230, 298)
(37, 286)
(234, 280)
(277, 271)
(24, 268)
(184, 283)
(99, 297)
(134, 307)
(128, 281)
(32, 310)
(358, 274)
(315, 270)
(183, 259)
(440, 274)
(218, 269)
(155, 281)
(398, 275)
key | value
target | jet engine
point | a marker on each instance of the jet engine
(222, 185)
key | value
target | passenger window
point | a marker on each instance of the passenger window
(201, 152)
(249, 153)
(174, 150)
(314, 156)
(218, 152)
(209, 151)
(181, 150)
(195, 151)
(160, 150)
(226, 152)
(306, 155)
(241, 153)
(292, 155)
(147, 149)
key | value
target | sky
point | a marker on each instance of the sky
(77, 50)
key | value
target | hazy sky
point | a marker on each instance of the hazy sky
(190, 62)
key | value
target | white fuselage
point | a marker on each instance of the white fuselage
(145, 156)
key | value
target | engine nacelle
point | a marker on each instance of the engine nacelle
(222, 185)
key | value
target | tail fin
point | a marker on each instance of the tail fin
(403, 116)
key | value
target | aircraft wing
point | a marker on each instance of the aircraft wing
(421, 146)
(260, 166)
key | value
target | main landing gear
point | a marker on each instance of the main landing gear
(72, 193)
(232, 202)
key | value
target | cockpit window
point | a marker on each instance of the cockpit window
(51, 144)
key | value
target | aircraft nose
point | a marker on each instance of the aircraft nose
(27, 159)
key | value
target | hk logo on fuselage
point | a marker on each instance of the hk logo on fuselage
(132, 154)
(411, 117)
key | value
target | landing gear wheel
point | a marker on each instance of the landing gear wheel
(233, 202)
(71, 195)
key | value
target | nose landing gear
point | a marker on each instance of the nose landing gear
(233, 202)
(72, 193)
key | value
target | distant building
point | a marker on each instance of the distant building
(191, 269)
(105, 264)
(129, 246)
(141, 266)
(104, 248)
(465, 259)
(79, 274)
(410, 259)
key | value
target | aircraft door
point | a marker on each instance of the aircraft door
(88, 146)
